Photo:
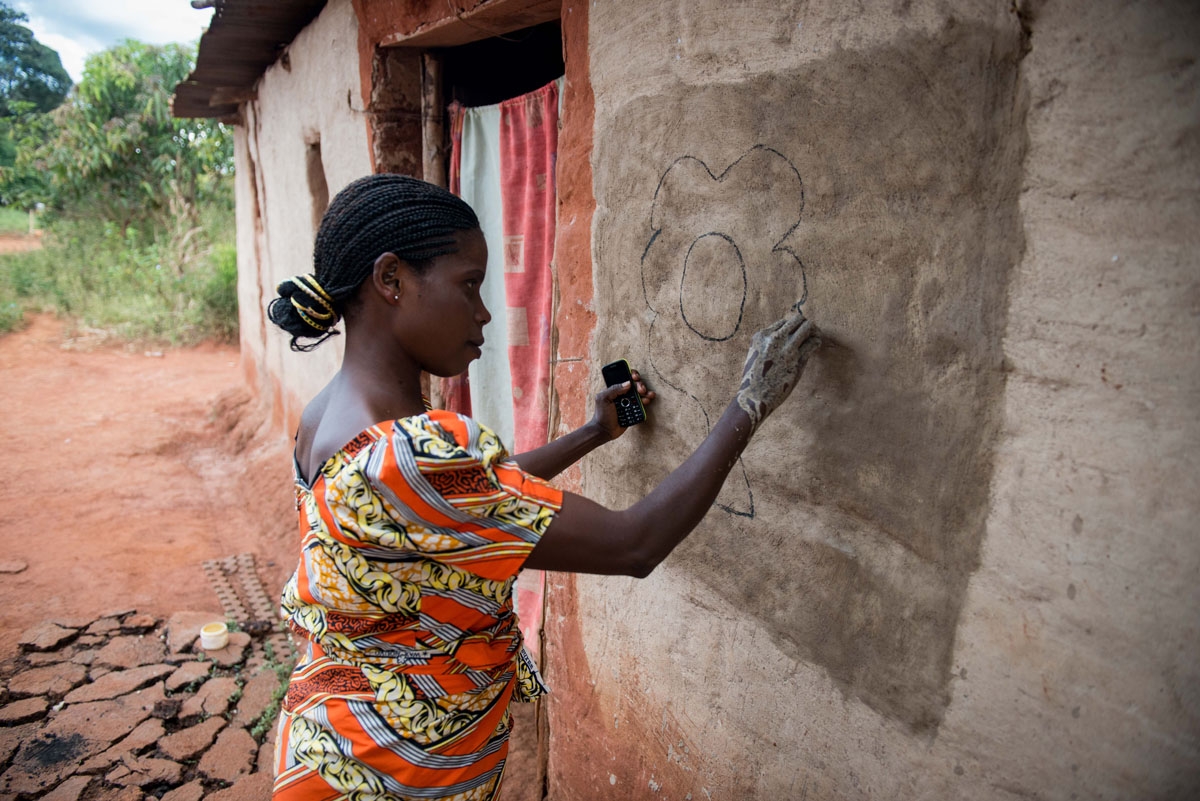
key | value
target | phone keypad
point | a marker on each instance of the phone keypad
(629, 410)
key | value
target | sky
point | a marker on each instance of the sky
(78, 28)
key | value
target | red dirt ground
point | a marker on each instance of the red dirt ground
(127, 470)
(14, 243)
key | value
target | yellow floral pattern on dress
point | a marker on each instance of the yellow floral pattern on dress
(411, 540)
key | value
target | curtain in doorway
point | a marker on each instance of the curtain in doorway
(502, 163)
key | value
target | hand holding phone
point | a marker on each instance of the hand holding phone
(629, 407)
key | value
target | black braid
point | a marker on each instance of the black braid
(374, 215)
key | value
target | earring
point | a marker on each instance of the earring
(395, 297)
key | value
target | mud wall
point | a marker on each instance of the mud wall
(960, 563)
(302, 139)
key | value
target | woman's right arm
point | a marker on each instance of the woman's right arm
(586, 537)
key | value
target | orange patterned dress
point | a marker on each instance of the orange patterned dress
(412, 538)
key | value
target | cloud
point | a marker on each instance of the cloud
(78, 28)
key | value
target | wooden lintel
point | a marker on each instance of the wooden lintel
(484, 21)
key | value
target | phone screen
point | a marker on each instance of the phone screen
(630, 411)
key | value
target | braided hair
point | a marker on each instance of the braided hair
(377, 214)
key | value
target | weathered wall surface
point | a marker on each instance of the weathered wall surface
(574, 311)
(961, 562)
(303, 139)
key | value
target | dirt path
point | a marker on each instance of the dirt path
(15, 243)
(127, 471)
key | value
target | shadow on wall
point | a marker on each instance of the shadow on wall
(852, 530)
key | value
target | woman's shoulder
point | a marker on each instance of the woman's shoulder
(436, 439)
(444, 434)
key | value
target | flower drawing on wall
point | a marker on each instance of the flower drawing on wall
(716, 268)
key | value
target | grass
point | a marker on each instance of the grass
(283, 672)
(13, 221)
(167, 284)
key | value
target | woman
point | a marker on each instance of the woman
(415, 522)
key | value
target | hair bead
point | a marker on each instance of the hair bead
(310, 282)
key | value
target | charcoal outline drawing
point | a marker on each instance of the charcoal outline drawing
(660, 221)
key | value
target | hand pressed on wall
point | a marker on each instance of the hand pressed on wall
(774, 364)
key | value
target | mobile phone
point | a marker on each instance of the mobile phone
(630, 411)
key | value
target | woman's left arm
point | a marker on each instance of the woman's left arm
(554, 457)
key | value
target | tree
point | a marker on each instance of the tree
(23, 181)
(32, 82)
(116, 150)
(32, 77)
(139, 203)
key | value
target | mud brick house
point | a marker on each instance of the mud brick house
(962, 561)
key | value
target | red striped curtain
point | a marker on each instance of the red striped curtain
(528, 148)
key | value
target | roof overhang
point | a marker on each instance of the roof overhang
(243, 39)
(246, 37)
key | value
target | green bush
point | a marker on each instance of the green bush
(11, 316)
(163, 282)
(23, 287)
(218, 295)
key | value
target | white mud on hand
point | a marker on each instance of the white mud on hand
(775, 363)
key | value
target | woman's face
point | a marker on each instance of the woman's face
(441, 313)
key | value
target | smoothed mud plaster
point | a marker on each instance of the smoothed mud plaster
(858, 511)
(1066, 612)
